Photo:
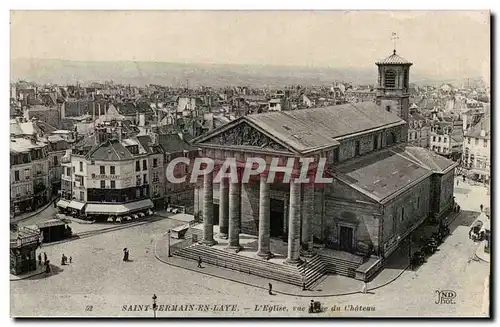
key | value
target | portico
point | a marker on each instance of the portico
(298, 209)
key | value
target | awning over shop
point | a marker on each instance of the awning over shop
(76, 205)
(139, 205)
(118, 209)
(479, 171)
(63, 203)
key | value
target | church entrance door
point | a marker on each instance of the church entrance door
(216, 214)
(345, 239)
(277, 218)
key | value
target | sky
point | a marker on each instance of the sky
(451, 43)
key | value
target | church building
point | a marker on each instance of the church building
(382, 188)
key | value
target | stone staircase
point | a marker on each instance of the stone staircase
(311, 272)
(284, 273)
(340, 263)
(314, 269)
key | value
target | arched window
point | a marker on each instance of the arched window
(390, 78)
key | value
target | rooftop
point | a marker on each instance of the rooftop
(18, 145)
(394, 59)
(312, 129)
(483, 124)
(381, 174)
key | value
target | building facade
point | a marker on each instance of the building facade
(108, 174)
(477, 150)
(446, 138)
(29, 174)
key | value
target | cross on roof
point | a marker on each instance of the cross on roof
(394, 37)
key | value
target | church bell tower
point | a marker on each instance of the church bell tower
(393, 85)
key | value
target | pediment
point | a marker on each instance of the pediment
(243, 134)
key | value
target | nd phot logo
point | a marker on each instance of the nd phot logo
(445, 297)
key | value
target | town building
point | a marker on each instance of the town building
(108, 174)
(477, 150)
(29, 174)
(418, 128)
(176, 145)
(57, 145)
(446, 138)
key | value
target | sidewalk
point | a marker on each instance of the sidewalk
(28, 215)
(39, 270)
(480, 254)
(330, 285)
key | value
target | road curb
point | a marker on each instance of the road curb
(485, 308)
(22, 278)
(274, 291)
(51, 201)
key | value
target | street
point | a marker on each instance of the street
(99, 283)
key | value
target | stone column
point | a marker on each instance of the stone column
(307, 216)
(264, 246)
(208, 210)
(293, 256)
(223, 208)
(234, 216)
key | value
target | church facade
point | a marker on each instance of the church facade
(382, 188)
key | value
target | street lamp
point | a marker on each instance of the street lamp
(154, 304)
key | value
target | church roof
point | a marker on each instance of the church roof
(394, 59)
(309, 130)
(383, 174)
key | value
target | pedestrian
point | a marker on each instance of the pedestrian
(481, 207)
(47, 266)
(199, 262)
(70, 259)
(63, 260)
(44, 257)
(270, 289)
(365, 288)
(125, 258)
(311, 307)
(39, 259)
(458, 181)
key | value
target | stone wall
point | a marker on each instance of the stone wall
(447, 187)
(250, 208)
(362, 217)
(407, 209)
